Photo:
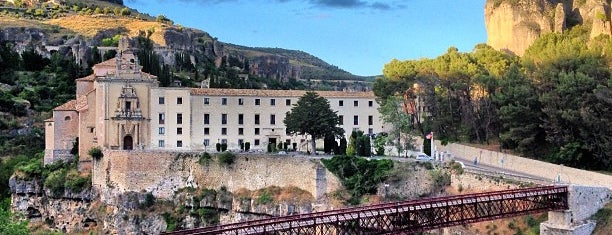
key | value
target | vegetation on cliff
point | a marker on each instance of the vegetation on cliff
(552, 104)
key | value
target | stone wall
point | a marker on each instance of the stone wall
(162, 173)
(545, 170)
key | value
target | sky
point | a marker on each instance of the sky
(359, 36)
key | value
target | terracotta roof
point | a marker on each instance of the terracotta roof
(68, 106)
(91, 77)
(110, 62)
(278, 93)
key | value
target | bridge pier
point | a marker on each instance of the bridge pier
(583, 202)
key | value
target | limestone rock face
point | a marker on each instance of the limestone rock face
(512, 26)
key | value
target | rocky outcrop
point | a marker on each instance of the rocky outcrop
(513, 25)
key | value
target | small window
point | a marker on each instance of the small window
(223, 101)
(162, 131)
(256, 142)
(224, 141)
(370, 120)
(256, 131)
(207, 131)
(256, 119)
(355, 120)
(179, 143)
(206, 142)
(179, 100)
(240, 101)
(223, 118)
(341, 118)
(67, 118)
(179, 118)
(179, 131)
(206, 100)
(272, 102)
(92, 129)
(288, 102)
(224, 131)
(241, 131)
(241, 143)
(162, 100)
(272, 119)
(240, 119)
(161, 143)
(355, 103)
(162, 118)
(206, 119)
(370, 103)
(257, 102)
(340, 102)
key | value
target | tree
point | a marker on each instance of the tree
(312, 115)
(391, 112)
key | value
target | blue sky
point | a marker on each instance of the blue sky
(359, 36)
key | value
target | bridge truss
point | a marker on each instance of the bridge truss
(406, 217)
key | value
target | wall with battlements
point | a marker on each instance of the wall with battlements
(162, 173)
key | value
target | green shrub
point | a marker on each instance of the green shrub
(440, 178)
(218, 147)
(170, 222)
(204, 159)
(247, 146)
(226, 158)
(76, 182)
(56, 181)
(265, 197)
(223, 147)
(95, 153)
(149, 201)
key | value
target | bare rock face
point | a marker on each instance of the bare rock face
(513, 25)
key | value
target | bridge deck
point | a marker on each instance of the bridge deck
(405, 217)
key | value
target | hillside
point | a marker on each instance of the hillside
(90, 22)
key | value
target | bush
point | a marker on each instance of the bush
(247, 146)
(265, 197)
(75, 182)
(170, 221)
(226, 158)
(204, 159)
(95, 153)
(218, 147)
(223, 147)
(56, 181)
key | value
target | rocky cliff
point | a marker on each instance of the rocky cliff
(513, 25)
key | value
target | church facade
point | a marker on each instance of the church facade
(121, 108)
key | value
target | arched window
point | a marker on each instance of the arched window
(67, 118)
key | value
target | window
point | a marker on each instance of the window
(257, 101)
(272, 119)
(256, 131)
(241, 143)
(288, 102)
(179, 131)
(341, 117)
(206, 142)
(206, 100)
(370, 103)
(240, 131)
(340, 102)
(240, 101)
(224, 141)
(256, 142)
(355, 120)
(256, 119)
(223, 101)
(272, 102)
(179, 100)
(356, 103)
(162, 100)
(224, 131)
(179, 143)
(92, 129)
(161, 143)
(162, 118)
(179, 118)
(162, 131)
(223, 118)
(240, 119)
(207, 131)
(206, 119)
(128, 105)
(67, 118)
(370, 120)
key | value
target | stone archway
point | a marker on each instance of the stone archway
(128, 142)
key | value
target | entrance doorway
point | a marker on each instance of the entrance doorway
(128, 143)
(272, 141)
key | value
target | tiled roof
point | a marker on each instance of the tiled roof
(109, 63)
(68, 106)
(88, 78)
(278, 93)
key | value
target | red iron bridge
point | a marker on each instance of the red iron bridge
(406, 217)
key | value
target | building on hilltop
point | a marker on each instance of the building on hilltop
(119, 107)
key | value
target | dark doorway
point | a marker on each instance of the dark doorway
(128, 143)
(272, 141)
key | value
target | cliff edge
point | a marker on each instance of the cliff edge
(513, 25)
